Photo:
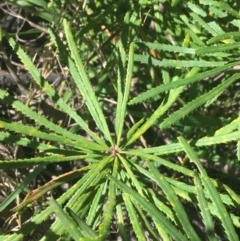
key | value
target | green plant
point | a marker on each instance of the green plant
(121, 172)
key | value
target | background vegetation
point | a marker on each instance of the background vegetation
(119, 120)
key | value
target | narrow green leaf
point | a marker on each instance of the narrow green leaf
(77, 200)
(197, 9)
(225, 37)
(85, 229)
(205, 212)
(160, 150)
(213, 193)
(95, 205)
(229, 127)
(46, 87)
(165, 76)
(174, 201)
(218, 12)
(232, 194)
(162, 161)
(181, 185)
(69, 224)
(194, 37)
(131, 175)
(146, 223)
(145, 59)
(57, 228)
(181, 82)
(120, 81)
(221, 210)
(170, 48)
(134, 128)
(85, 87)
(192, 155)
(182, 193)
(109, 207)
(89, 179)
(67, 60)
(76, 76)
(216, 27)
(176, 147)
(31, 131)
(121, 223)
(21, 163)
(18, 105)
(185, 110)
(181, 189)
(161, 206)
(23, 141)
(157, 216)
(223, 6)
(203, 24)
(173, 95)
(214, 49)
(205, 141)
(121, 108)
(133, 217)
